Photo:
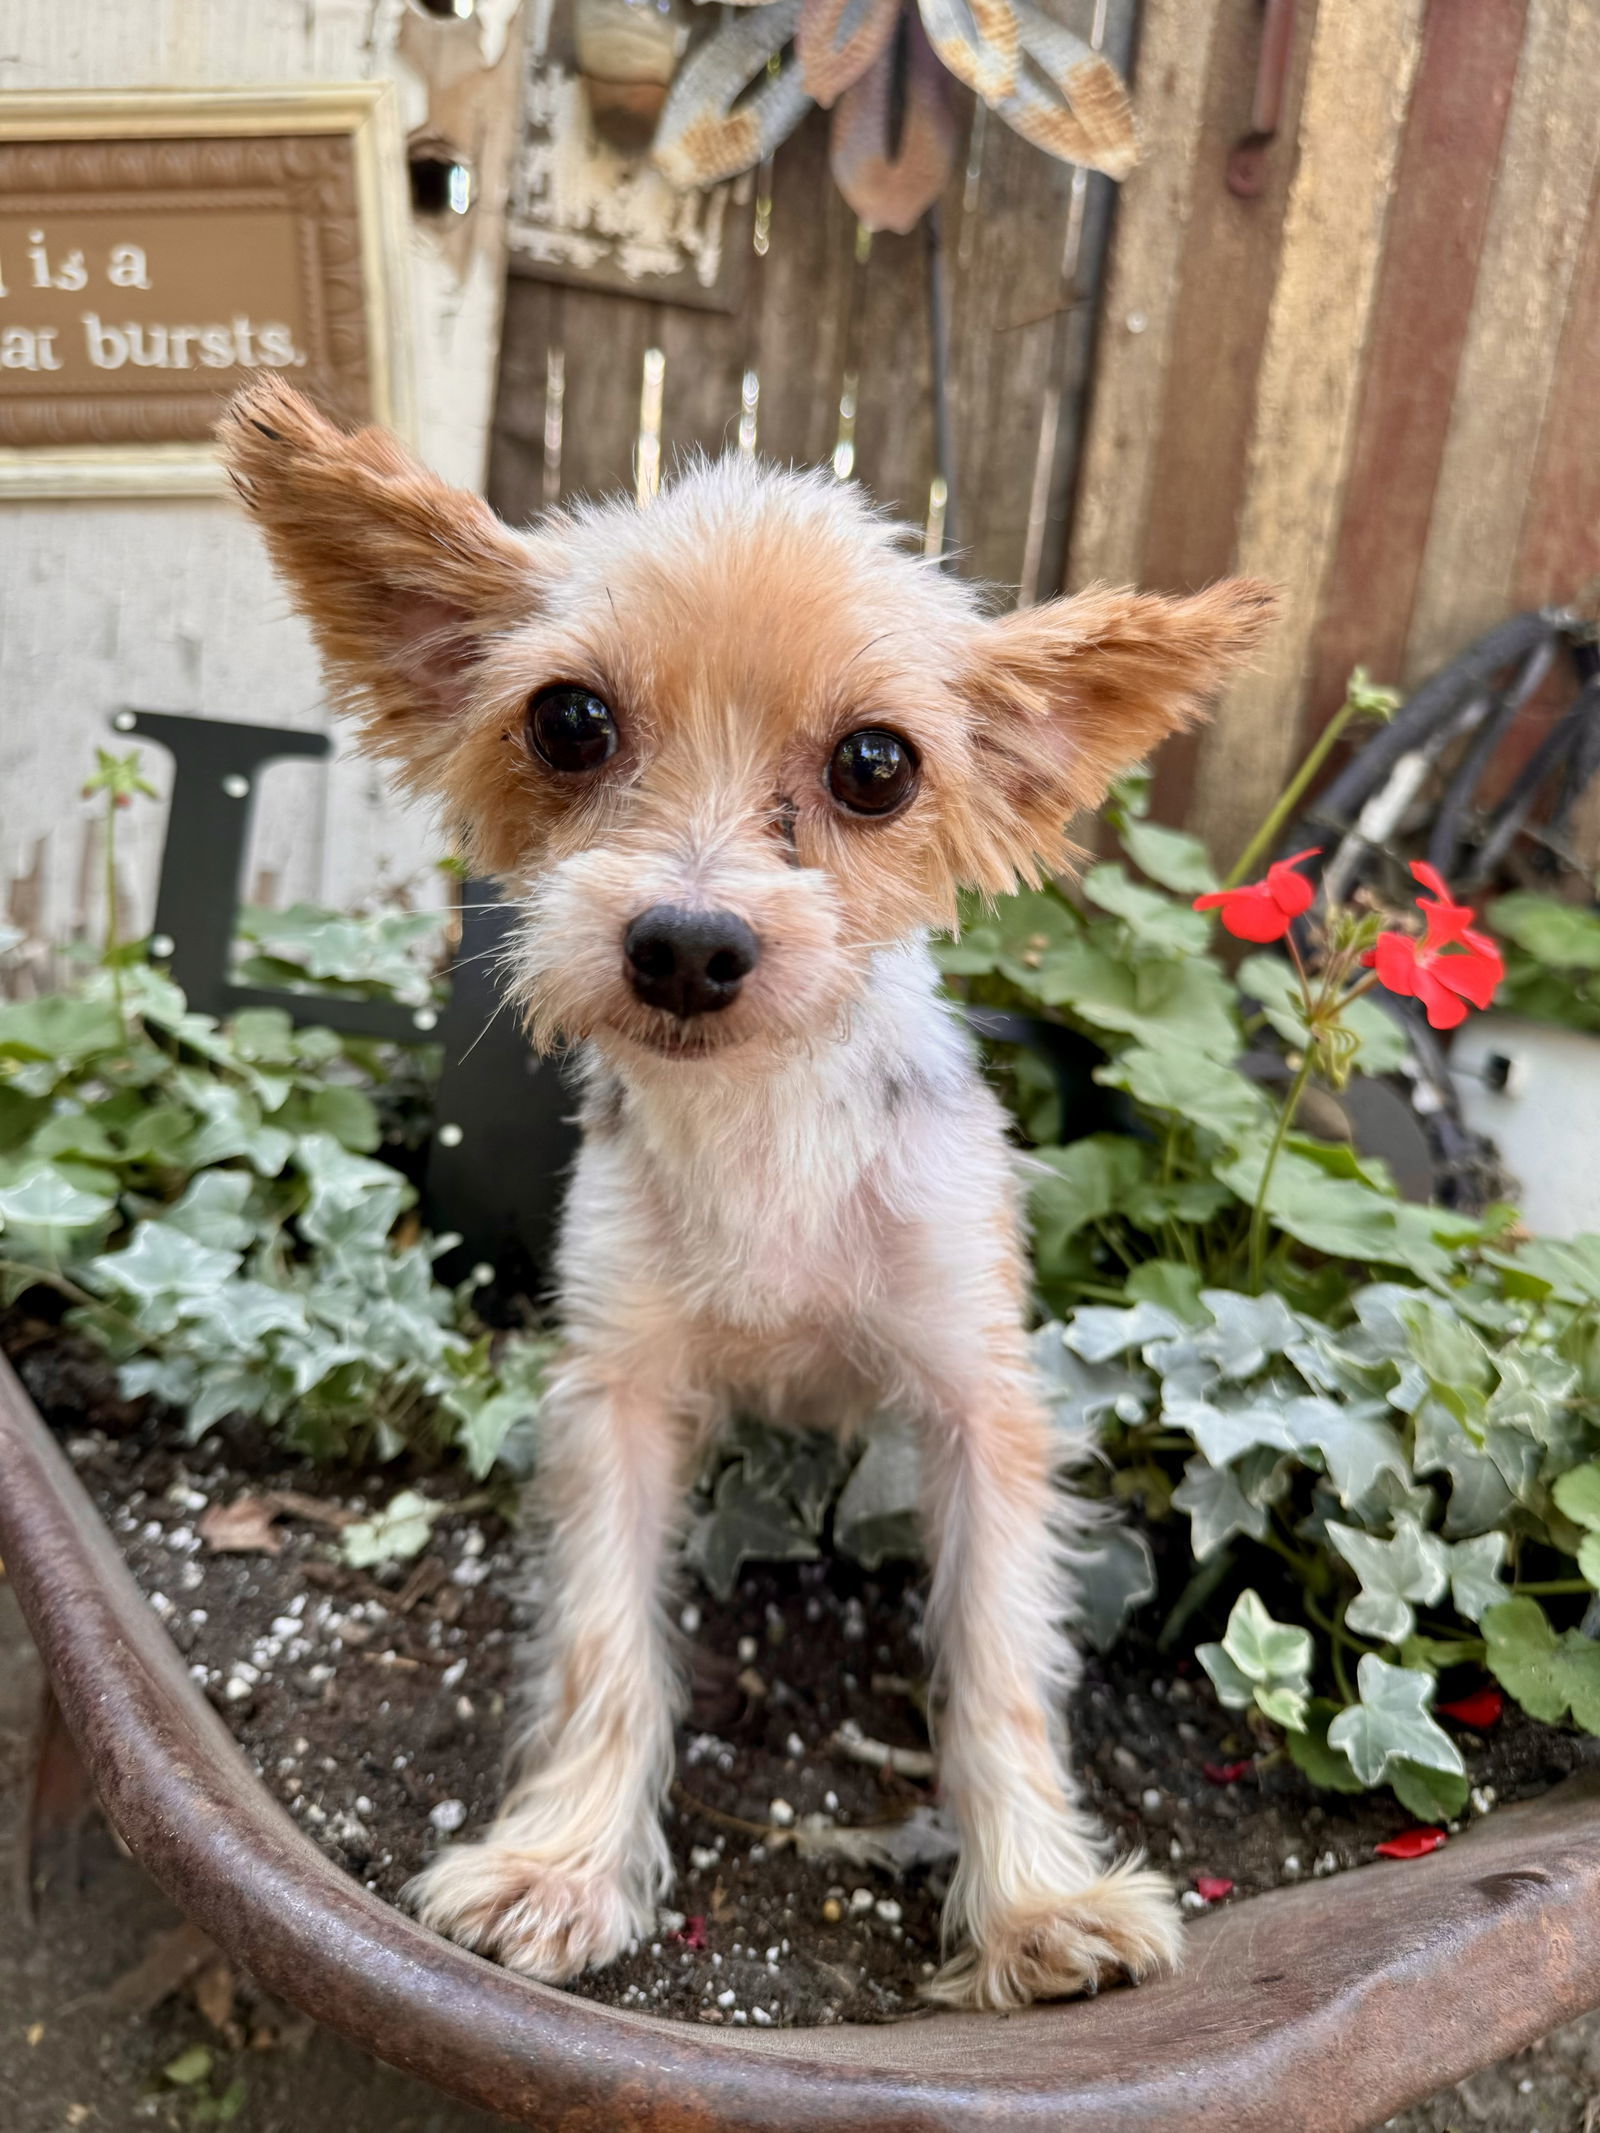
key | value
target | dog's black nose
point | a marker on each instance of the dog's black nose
(689, 962)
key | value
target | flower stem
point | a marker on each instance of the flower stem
(1258, 1213)
(112, 942)
(1267, 836)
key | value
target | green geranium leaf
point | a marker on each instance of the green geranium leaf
(1547, 1674)
(1153, 921)
(1170, 857)
(1552, 932)
(1087, 1180)
(62, 1030)
(1578, 1494)
(1203, 1091)
(1169, 1284)
(1187, 1003)
(1568, 1269)
(974, 955)
(1430, 1795)
(1392, 1723)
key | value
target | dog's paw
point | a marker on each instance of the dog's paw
(536, 1918)
(1126, 1924)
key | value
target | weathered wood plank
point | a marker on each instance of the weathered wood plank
(804, 292)
(1208, 391)
(1006, 303)
(1139, 306)
(1530, 252)
(1356, 93)
(1230, 266)
(1443, 188)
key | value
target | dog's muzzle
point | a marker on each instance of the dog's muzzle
(689, 962)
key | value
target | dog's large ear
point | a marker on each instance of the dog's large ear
(404, 580)
(1067, 694)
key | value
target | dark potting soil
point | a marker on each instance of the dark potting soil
(375, 1708)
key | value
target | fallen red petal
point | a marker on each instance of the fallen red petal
(693, 1934)
(1412, 1844)
(1480, 1710)
(1212, 1887)
(1227, 1773)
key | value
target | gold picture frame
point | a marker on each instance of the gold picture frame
(303, 186)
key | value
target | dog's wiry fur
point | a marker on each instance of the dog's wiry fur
(804, 1205)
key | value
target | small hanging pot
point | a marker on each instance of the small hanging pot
(628, 52)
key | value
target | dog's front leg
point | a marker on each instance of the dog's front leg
(572, 1866)
(1034, 1911)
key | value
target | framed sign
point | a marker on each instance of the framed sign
(157, 248)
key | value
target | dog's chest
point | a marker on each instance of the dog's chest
(770, 1212)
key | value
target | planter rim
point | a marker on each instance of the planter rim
(1325, 2007)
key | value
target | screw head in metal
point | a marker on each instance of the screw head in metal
(450, 1136)
(235, 786)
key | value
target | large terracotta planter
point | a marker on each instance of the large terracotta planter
(1320, 2009)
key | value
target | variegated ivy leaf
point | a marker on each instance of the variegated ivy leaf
(1475, 1582)
(164, 1264)
(353, 1200)
(1217, 1506)
(1261, 1661)
(392, 1535)
(1098, 1332)
(1413, 1566)
(1114, 1572)
(1535, 1386)
(1231, 1424)
(1381, 1309)
(1479, 1497)
(1392, 1723)
(212, 1210)
(1452, 1358)
(876, 1516)
(46, 1202)
(1355, 1443)
(1244, 1331)
(233, 1127)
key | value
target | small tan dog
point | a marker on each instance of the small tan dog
(732, 755)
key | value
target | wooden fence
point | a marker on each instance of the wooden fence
(1377, 381)
(827, 356)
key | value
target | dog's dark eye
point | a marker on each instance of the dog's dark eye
(571, 728)
(872, 771)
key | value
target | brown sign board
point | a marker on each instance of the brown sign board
(147, 271)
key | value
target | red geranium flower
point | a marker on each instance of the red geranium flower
(1264, 910)
(1480, 1710)
(1445, 983)
(1226, 1773)
(1412, 1844)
